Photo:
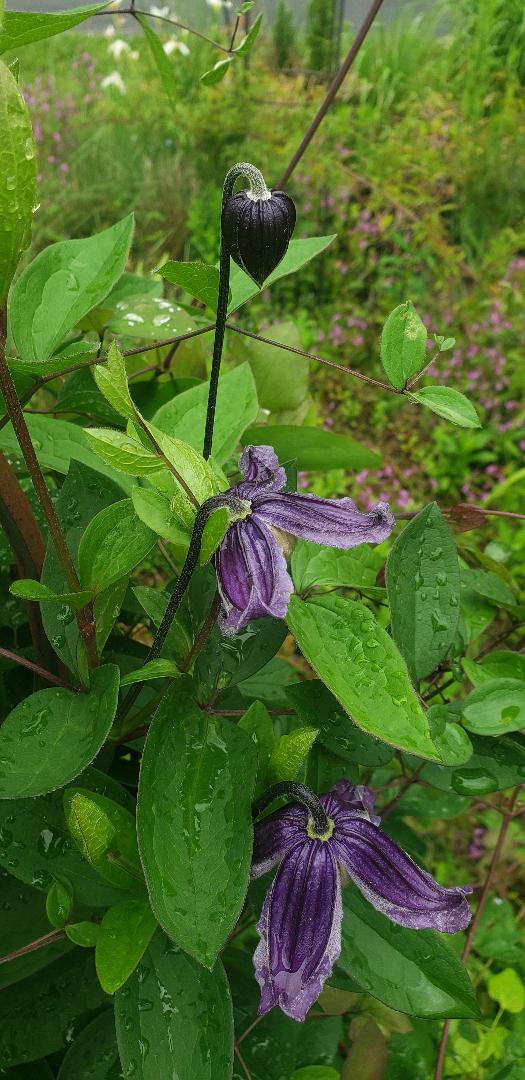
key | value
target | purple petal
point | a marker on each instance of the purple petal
(334, 522)
(300, 930)
(275, 835)
(259, 465)
(252, 576)
(393, 883)
(357, 798)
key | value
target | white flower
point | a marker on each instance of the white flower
(117, 47)
(173, 45)
(160, 12)
(116, 80)
(218, 4)
(109, 32)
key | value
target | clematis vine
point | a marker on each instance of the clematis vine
(251, 568)
(300, 925)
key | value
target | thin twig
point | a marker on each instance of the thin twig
(243, 1064)
(249, 1029)
(132, 10)
(47, 675)
(334, 87)
(47, 939)
(496, 855)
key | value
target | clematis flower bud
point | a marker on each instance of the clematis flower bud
(257, 226)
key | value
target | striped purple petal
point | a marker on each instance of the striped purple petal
(392, 882)
(300, 930)
(275, 835)
(334, 522)
(252, 576)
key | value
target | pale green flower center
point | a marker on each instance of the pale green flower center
(310, 829)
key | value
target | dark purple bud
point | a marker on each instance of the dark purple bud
(257, 229)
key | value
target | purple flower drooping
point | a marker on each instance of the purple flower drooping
(251, 569)
(300, 924)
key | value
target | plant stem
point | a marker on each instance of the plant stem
(298, 793)
(47, 675)
(257, 184)
(132, 10)
(496, 855)
(334, 87)
(47, 939)
(85, 616)
(203, 634)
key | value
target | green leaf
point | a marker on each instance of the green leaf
(449, 403)
(248, 41)
(403, 343)
(197, 474)
(281, 377)
(18, 171)
(423, 583)
(495, 765)
(123, 451)
(179, 639)
(115, 541)
(125, 933)
(154, 509)
(162, 63)
(299, 253)
(59, 903)
(315, 565)
(489, 585)
(112, 381)
(216, 73)
(57, 1000)
(24, 921)
(105, 834)
(21, 28)
(508, 990)
(62, 284)
(237, 407)
(194, 822)
(28, 589)
(84, 934)
(213, 534)
(174, 1018)
(57, 444)
(154, 669)
(288, 756)
(35, 845)
(316, 1072)
(429, 981)
(94, 1053)
(497, 665)
(314, 448)
(452, 742)
(317, 706)
(200, 280)
(496, 707)
(360, 664)
(54, 734)
(368, 1053)
(257, 722)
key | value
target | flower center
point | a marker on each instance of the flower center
(326, 835)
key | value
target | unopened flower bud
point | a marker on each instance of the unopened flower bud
(257, 228)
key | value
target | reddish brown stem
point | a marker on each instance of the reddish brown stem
(47, 675)
(47, 939)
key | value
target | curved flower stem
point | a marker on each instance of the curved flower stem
(203, 513)
(299, 793)
(258, 187)
(496, 855)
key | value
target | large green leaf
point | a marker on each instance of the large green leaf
(62, 284)
(83, 494)
(495, 765)
(18, 172)
(94, 1053)
(57, 444)
(403, 343)
(449, 403)
(194, 822)
(174, 1018)
(37, 1015)
(360, 664)
(24, 921)
(200, 280)
(21, 28)
(237, 407)
(413, 971)
(281, 377)
(423, 583)
(125, 933)
(54, 734)
(115, 541)
(299, 253)
(312, 564)
(313, 448)
(35, 845)
(317, 706)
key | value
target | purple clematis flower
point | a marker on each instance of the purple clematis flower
(251, 569)
(300, 925)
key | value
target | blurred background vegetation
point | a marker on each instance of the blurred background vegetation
(418, 168)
